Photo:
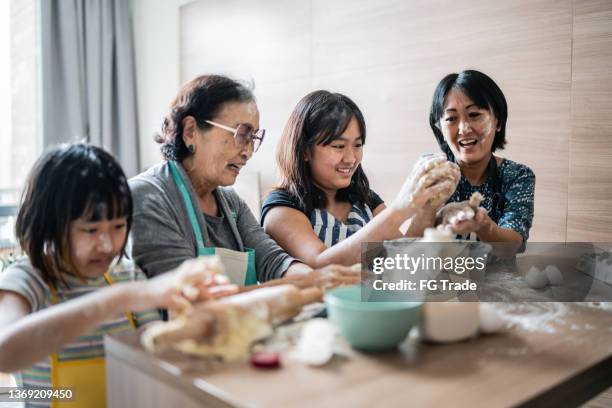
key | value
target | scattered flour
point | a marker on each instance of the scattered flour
(504, 286)
(534, 317)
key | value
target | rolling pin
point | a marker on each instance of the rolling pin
(271, 305)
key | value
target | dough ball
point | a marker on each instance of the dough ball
(535, 278)
(437, 235)
(316, 344)
(554, 275)
(491, 320)
(476, 199)
(191, 292)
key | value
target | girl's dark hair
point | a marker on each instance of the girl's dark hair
(202, 98)
(318, 119)
(483, 91)
(67, 183)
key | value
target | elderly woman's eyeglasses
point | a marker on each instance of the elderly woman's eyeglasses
(243, 134)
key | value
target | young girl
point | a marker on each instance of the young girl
(76, 285)
(324, 209)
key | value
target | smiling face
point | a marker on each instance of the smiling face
(94, 244)
(217, 160)
(332, 166)
(468, 129)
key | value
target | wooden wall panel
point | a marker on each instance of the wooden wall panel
(590, 187)
(388, 55)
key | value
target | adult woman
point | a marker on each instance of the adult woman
(181, 208)
(324, 209)
(468, 118)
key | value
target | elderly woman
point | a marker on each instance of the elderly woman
(181, 208)
(468, 118)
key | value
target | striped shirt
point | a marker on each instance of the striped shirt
(23, 279)
(328, 228)
(331, 230)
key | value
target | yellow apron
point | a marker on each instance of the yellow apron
(86, 378)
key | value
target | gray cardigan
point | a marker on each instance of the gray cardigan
(161, 237)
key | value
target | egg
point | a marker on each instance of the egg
(535, 278)
(553, 274)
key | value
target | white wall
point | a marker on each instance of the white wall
(156, 42)
(157, 47)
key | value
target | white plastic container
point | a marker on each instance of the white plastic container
(447, 322)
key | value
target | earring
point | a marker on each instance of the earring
(191, 148)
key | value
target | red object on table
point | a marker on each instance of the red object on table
(265, 359)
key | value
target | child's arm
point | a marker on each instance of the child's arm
(27, 338)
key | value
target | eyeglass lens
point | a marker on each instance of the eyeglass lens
(244, 134)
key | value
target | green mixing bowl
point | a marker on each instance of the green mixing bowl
(370, 326)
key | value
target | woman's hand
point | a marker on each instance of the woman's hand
(195, 280)
(431, 182)
(465, 217)
(335, 275)
(325, 278)
(479, 222)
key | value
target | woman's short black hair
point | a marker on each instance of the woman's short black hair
(483, 91)
(202, 98)
(318, 119)
(66, 183)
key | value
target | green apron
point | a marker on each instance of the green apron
(239, 266)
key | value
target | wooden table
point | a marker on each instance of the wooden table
(565, 363)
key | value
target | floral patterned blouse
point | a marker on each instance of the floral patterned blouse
(517, 187)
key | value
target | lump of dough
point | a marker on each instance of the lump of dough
(553, 274)
(535, 278)
(439, 199)
(462, 215)
(437, 235)
(209, 266)
(475, 199)
(236, 331)
(491, 320)
(316, 344)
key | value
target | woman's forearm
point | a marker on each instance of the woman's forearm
(39, 334)
(494, 233)
(297, 268)
(423, 219)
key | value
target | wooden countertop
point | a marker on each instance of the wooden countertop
(561, 355)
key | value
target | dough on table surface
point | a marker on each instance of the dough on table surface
(227, 327)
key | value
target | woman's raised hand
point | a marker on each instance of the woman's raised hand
(464, 217)
(431, 182)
